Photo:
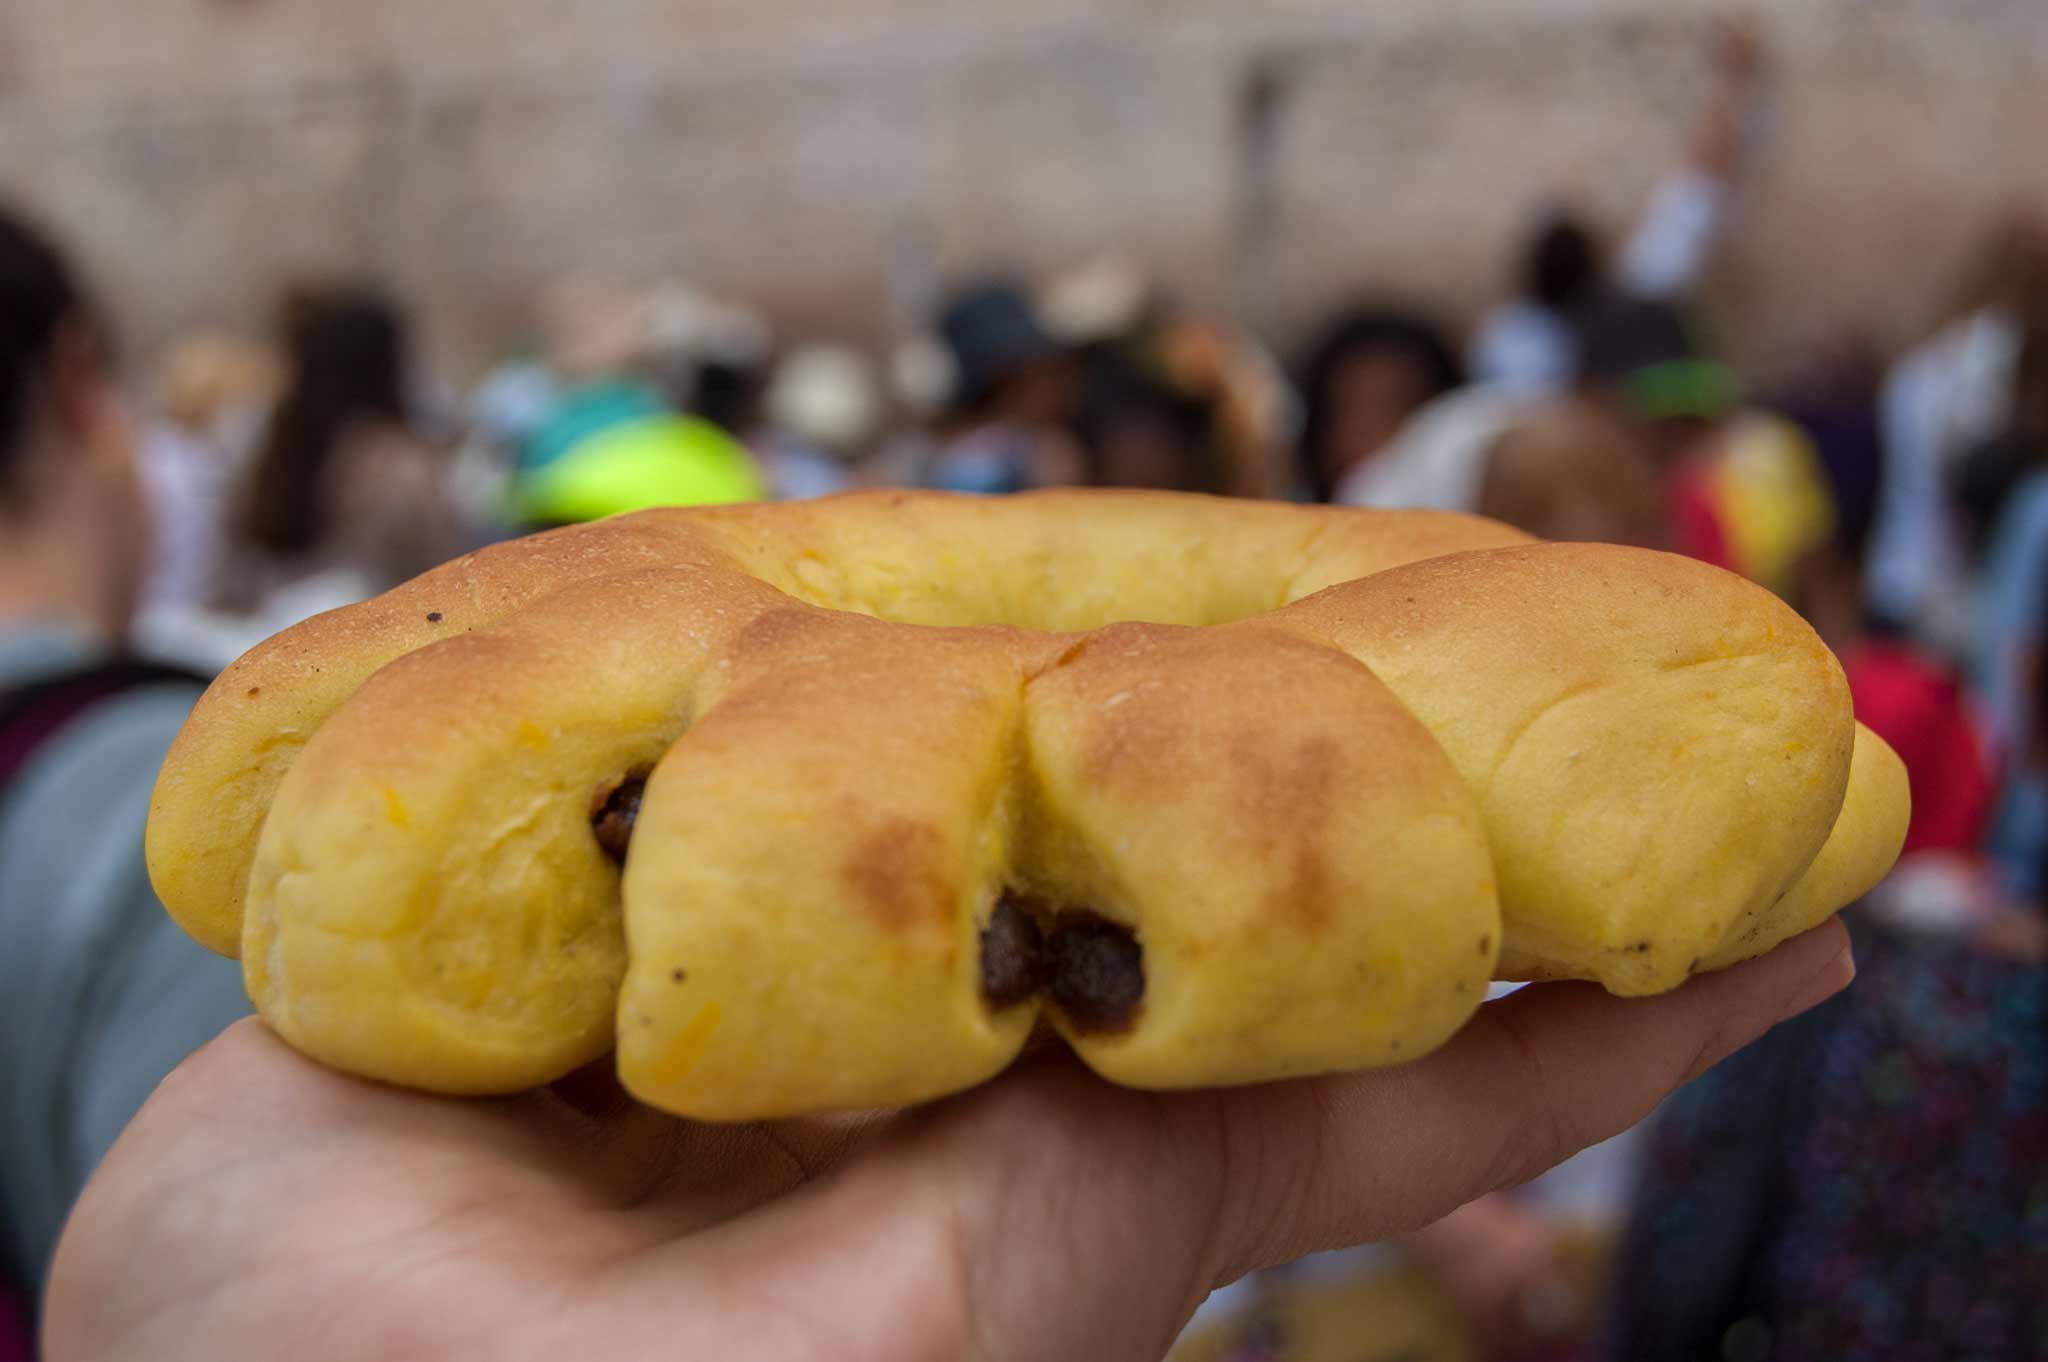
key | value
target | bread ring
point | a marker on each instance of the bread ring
(867, 859)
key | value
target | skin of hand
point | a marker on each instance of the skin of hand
(263, 1207)
(1738, 49)
(1738, 62)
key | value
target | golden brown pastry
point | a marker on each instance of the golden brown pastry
(828, 805)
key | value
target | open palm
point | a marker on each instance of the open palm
(262, 1207)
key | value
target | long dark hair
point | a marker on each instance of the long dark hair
(1364, 331)
(348, 361)
(38, 296)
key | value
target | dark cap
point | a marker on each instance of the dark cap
(990, 330)
(1644, 349)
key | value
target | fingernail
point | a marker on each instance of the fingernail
(1826, 982)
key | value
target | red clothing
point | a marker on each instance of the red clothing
(1919, 708)
(14, 1341)
(1696, 529)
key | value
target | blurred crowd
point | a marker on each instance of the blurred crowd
(1872, 1182)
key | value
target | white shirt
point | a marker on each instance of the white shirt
(1523, 344)
(1939, 402)
(1438, 459)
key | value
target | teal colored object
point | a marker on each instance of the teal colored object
(586, 412)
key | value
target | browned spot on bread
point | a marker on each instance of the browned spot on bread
(433, 617)
(781, 629)
(897, 875)
(1311, 900)
(1287, 791)
(1305, 777)
(254, 691)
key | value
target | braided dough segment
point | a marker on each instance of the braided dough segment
(814, 861)
(1339, 912)
(1860, 849)
(1053, 559)
(1302, 866)
(428, 904)
(1659, 748)
(224, 769)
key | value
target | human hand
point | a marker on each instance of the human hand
(262, 1207)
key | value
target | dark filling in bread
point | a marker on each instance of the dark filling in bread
(1012, 954)
(1092, 969)
(613, 818)
(1097, 972)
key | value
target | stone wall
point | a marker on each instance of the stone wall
(198, 151)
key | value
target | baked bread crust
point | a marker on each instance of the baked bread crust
(1264, 790)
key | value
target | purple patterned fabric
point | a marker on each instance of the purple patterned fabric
(1871, 1185)
(15, 1345)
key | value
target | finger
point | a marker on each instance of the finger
(1046, 1215)
(1052, 1216)
(1533, 1079)
(690, 1175)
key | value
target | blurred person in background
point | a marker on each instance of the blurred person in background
(2009, 653)
(1563, 467)
(1745, 487)
(1255, 411)
(2017, 843)
(708, 355)
(1373, 370)
(2012, 505)
(1530, 343)
(1562, 471)
(1124, 334)
(1136, 429)
(1832, 394)
(1012, 397)
(100, 994)
(1871, 1180)
(824, 409)
(615, 437)
(343, 499)
(213, 394)
(1944, 400)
